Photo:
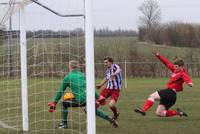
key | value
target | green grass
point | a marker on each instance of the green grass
(41, 91)
(134, 95)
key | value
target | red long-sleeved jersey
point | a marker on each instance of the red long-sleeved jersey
(177, 78)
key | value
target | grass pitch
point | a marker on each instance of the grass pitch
(41, 92)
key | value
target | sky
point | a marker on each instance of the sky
(113, 14)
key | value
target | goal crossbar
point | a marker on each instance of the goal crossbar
(55, 12)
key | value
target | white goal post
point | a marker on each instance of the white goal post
(8, 8)
(24, 86)
(89, 47)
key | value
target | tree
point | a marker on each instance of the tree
(150, 19)
(151, 14)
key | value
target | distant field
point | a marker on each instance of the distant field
(41, 91)
(130, 49)
(48, 56)
(121, 48)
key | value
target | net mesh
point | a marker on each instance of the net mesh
(50, 46)
(10, 118)
(10, 7)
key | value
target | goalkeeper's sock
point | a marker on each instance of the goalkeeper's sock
(148, 103)
(65, 115)
(102, 115)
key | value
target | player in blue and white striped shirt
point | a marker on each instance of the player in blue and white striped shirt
(113, 78)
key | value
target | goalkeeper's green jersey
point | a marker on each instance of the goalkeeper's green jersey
(75, 80)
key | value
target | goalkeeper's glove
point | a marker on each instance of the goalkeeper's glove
(52, 106)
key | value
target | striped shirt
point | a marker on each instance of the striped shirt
(116, 81)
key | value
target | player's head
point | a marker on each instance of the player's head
(178, 64)
(108, 61)
(73, 64)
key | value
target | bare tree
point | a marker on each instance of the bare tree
(151, 14)
(150, 20)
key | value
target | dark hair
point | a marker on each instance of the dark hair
(179, 62)
(109, 59)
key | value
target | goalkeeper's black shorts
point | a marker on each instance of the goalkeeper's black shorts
(73, 103)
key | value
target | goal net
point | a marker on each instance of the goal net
(10, 7)
(52, 41)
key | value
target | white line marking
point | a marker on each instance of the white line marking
(3, 125)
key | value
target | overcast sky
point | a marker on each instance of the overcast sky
(108, 13)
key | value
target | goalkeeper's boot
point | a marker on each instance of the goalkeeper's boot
(62, 126)
(142, 112)
(181, 112)
(113, 122)
(115, 116)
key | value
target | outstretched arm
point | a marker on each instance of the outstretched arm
(101, 83)
(58, 94)
(187, 79)
(61, 89)
(167, 63)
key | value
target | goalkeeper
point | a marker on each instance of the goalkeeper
(75, 80)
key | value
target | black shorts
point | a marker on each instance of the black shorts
(73, 103)
(168, 97)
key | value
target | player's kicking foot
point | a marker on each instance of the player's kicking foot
(181, 113)
(113, 122)
(62, 126)
(138, 110)
(115, 116)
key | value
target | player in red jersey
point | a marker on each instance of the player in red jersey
(167, 97)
